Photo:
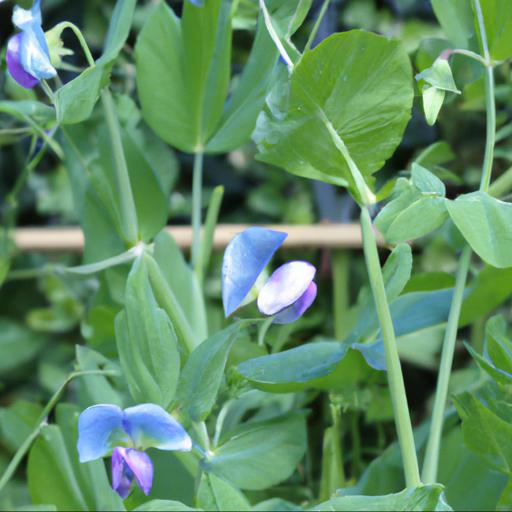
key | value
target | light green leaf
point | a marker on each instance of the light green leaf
(456, 19)
(262, 454)
(485, 433)
(486, 224)
(217, 494)
(183, 282)
(164, 506)
(440, 76)
(50, 474)
(397, 270)
(424, 498)
(352, 94)
(498, 27)
(147, 342)
(118, 30)
(203, 373)
(432, 102)
(425, 181)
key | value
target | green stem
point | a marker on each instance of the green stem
(394, 370)
(341, 287)
(316, 26)
(265, 326)
(502, 186)
(128, 212)
(80, 37)
(430, 464)
(197, 185)
(41, 422)
(356, 445)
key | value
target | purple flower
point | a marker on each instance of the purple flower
(103, 429)
(28, 56)
(288, 293)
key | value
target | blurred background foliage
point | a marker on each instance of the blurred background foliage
(43, 318)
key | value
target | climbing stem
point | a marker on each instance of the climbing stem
(431, 462)
(128, 214)
(41, 422)
(394, 370)
(316, 26)
(429, 473)
(197, 184)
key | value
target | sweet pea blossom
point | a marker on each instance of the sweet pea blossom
(28, 56)
(105, 429)
(289, 291)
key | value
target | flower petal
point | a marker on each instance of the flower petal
(244, 259)
(98, 427)
(14, 66)
(35, 55)
(151, 426)
(285, 286)
(23, 18)
(129, 464)
(296, 310)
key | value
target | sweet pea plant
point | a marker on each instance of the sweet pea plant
(193, 411)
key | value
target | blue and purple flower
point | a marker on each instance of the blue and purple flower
(28, 56)
(289, 291)
(126, 434)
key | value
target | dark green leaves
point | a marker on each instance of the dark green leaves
(147, 342)
(261, 454)
(486, 224)
(352, 95)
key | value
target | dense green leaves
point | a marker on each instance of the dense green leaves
(486, 224)
(261, 454)
(203, 373)
(147, 342)
(352, 94)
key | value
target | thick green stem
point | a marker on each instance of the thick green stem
(41, 422)
(197, 185)
(394, 369)
(128, 212)
(429, 473)
(431, 462)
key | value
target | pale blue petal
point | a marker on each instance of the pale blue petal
(150, 426)
(285, 286)
(35, 56)
(98, 427)
(23, 18)
(298, 308)
(244, 259)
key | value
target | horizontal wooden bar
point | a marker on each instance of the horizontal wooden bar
(305, 236)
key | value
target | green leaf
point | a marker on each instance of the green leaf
(262, 454)
(432, 102)
(498, 344)
(203, 373)
(193, 58)
(397, 270)
(498, 27)
(163, 506)
(491, 288)
(183, 282)
(426, 182)
(118, 30)
(76, 99)
(18, 345)
(17, 421)
(486, 224)
(485, 433)
(147, 342)
(424, 498)
(217, 494)
(456, 19)
(352, 94)
(50, 473)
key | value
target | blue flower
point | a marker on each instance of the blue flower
(105, 429)
(28, 56)
(289, 291)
